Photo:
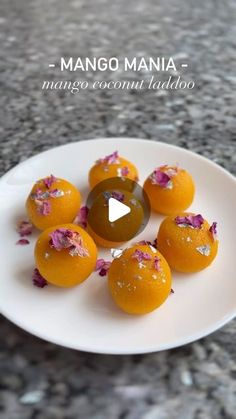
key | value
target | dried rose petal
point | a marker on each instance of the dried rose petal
(144, 243)
(63, 238)
(82, 217)
(140, 255)
(77, 246)
(48, 181)
(123, 171)
(157, 264)
(194, 221)
(160, 178)
(25, 228)
(60, 238)
(38, 279)
(43, 207)
(102, 266)
(110, 159)
(115, 195)
(213, 230)
(22, 242)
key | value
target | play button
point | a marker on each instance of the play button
(116, 210)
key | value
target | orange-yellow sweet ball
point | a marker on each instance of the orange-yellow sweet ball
(109, 234)
(139, 280)
(170, 189)
(65, 255)
(112, 166)
(52, 201)
(188, 242)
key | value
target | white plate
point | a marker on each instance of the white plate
(85, 317)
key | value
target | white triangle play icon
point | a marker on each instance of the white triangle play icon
(117, 210)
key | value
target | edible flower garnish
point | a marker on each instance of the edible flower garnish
(63, 238)
(193, 221)
(102, 266)
(38, 280)
(115, 194)
(25, 228)
(41, 198)
(123, 171)
(82, 217)
(162, 175)
(213, 230)
(110, 159)
(140, 256)
(48, 181)
(23, 242)
(148, 243)
(43, 207)
(157, 264)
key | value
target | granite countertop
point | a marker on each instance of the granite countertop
(39, 380)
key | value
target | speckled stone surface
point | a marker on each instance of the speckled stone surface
(39, 380)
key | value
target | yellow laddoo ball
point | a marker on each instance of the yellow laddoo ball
(112, 166)
(139, 280)
(188, 242)
(170, 189)
(65, 255)
(111, 234)
(52, 201)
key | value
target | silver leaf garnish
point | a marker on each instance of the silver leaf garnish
(204, 250)
(116, 253)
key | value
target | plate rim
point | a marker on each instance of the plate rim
(112, 351)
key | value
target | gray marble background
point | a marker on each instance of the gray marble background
(39, 380)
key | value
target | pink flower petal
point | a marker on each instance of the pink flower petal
(63, 238)
(114, 194)
(48, 181)
(160, 178)
(102, 266)
(38, 279)
(140, 255)
(25, 228)
(213, 230)
(43, 207)
(82, 217)
(110, 159)
(23, 242)
(124, 171)
(157, 264)
(194, 221)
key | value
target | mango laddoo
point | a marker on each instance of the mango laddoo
(188, 242)
(139, 279)
(170, 189)
(52, 201)
(112, 166)
(111, 234)
(65, 255)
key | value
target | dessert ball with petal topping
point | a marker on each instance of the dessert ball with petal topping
(65, 255)
(139, 280)
(170, 189)
(112, 166)
(52, 201)
(188, 242)
(111, 234)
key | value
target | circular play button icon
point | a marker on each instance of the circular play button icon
(118, 210)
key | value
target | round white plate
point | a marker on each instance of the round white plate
(85, 317)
